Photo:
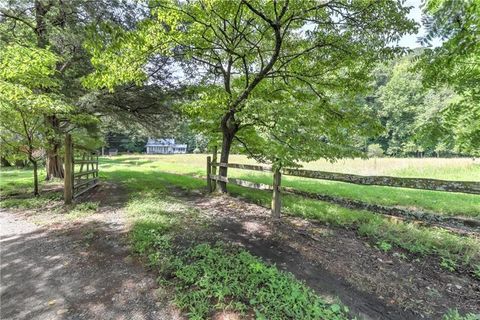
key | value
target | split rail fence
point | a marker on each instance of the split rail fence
(81, 170)
(471, 187)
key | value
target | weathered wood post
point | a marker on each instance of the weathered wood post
(276, 197)
(209, 173)
(68, 180)
(214, 168)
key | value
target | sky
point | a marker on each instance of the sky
(415, 14)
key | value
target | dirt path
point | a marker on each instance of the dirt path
(337, 263)
(76, 270)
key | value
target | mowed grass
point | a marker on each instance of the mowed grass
(16, 189)
(15, 181)
(453, 204)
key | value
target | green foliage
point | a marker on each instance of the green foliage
(29, 67)
(414, 118)
(209, 275)
(289, 72)
(384, 246)
(448, 264)
(455, 315)
(456, 63)
(25, 75)
(83, 209)
(209, 278)
(476, 271)
(374, 151)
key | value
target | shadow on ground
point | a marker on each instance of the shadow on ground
(83, 272)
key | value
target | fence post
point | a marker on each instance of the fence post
(209, 173)
(276, 197)
(68, 180)
(96, 166)
(214, 169)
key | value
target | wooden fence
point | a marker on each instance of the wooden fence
(81, 174)
(471, 187)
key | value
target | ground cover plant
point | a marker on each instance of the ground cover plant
(209, 277)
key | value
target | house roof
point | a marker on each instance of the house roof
(163, 142)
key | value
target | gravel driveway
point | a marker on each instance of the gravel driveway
(74, 270)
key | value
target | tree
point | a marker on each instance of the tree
(440, 147)
(401, 100)
(61, 26)
(25, 76)
(456, 63)
(375, 151)
(254, 56)
(408, 111)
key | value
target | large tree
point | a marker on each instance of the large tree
(456, 63)
(60, 27)
(27, 84)
(261, 61)
(413, 117)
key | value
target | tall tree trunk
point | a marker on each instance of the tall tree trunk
(229, 128)
(54, 161)
(226, 145)
(35, 177)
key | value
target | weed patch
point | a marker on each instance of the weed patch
(207, 278)
(455, 315)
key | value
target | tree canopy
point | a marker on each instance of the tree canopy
(456, 63)
(257, 62)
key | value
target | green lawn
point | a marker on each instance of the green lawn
(17, 180)
(438, 202)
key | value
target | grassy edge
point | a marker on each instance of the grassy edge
(207, 278)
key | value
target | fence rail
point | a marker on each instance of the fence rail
(411, 183)
(471, 187)
(243, 183)
(242, 166)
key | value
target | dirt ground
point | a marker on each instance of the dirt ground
(83, 269)
(74, 270)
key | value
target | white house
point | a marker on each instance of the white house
(164, 146)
